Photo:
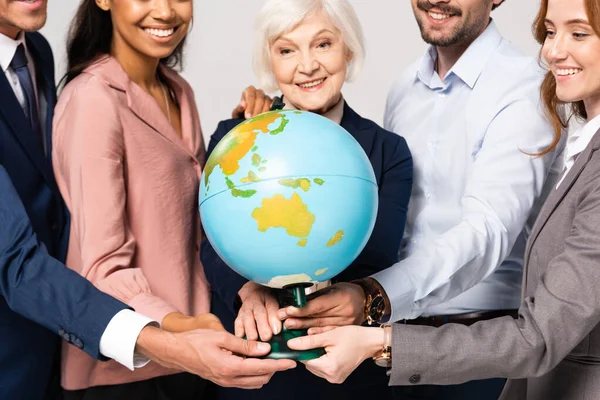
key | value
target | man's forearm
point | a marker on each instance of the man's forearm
(157, 345)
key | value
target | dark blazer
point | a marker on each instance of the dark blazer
(30, 282)
(392, 163)
(553, 350)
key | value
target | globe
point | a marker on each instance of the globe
(288, 198)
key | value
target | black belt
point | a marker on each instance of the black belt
(464, 319)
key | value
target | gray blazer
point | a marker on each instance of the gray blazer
(553, 350)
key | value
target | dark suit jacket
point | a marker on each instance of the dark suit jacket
(31, 283)
(553, 350)
(392, 164)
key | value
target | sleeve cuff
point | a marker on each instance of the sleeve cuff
(120, 336)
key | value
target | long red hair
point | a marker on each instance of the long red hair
(552, 103)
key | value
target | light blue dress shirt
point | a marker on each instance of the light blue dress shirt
(474, 185)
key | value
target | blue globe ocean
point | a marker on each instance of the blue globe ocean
(288, 197)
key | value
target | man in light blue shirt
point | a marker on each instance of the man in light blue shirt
(470, 112)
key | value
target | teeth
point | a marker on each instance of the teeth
(160, 32)
(569, 71)
(438, 16)
(311, 84)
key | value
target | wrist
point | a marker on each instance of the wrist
(177, 322)
(376, 341)
(154, 343)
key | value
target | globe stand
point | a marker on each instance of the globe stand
(292, 295)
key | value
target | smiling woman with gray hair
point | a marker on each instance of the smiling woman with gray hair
(307, 49)
(279, 17)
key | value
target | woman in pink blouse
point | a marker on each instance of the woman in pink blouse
(127, 155)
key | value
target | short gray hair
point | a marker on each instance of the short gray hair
(280, 16)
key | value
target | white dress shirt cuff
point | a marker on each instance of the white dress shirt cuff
(399, 289)
(120, 336)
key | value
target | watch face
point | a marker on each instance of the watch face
(377, 308)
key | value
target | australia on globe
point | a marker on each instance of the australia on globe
(288, 197)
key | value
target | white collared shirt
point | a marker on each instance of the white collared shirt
(577, 141)
(120, 336)
(474, 185)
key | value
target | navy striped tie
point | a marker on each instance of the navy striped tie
(19, 65)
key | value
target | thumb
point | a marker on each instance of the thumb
(309, 342)
(238, 111)
(272, 307)
(249, 348)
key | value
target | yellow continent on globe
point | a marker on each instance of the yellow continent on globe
(339, 235)
(279, 212)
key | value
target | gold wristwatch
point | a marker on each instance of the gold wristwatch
(376, 301)
(384, 359)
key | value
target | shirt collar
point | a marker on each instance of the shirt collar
(580, 138)
(469, 66)
(335, 114)
(8, 48)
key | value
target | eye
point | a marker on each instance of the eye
(549, 33)
(578, 35)
(324, 45)
(285, 52)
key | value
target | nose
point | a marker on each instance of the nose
(557, 49)
(307, 64)
(434, 2)
(163, 10)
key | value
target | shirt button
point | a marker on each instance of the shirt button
(427, 195)
(442, 95)
(414, 379)
(431, 144)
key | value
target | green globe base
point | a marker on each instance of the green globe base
(280, 349)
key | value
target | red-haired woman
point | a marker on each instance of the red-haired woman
(553, 350)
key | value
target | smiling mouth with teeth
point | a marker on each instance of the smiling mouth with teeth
(160, 32)
(312, 84)
(439, 16)
(567, 71)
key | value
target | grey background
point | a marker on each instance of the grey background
(218, 54)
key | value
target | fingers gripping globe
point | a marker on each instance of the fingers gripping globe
(288, 198)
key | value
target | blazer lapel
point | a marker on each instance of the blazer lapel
(557, 195)
(146, 109)
(15, 117)
(363, 133)
(45, 79)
